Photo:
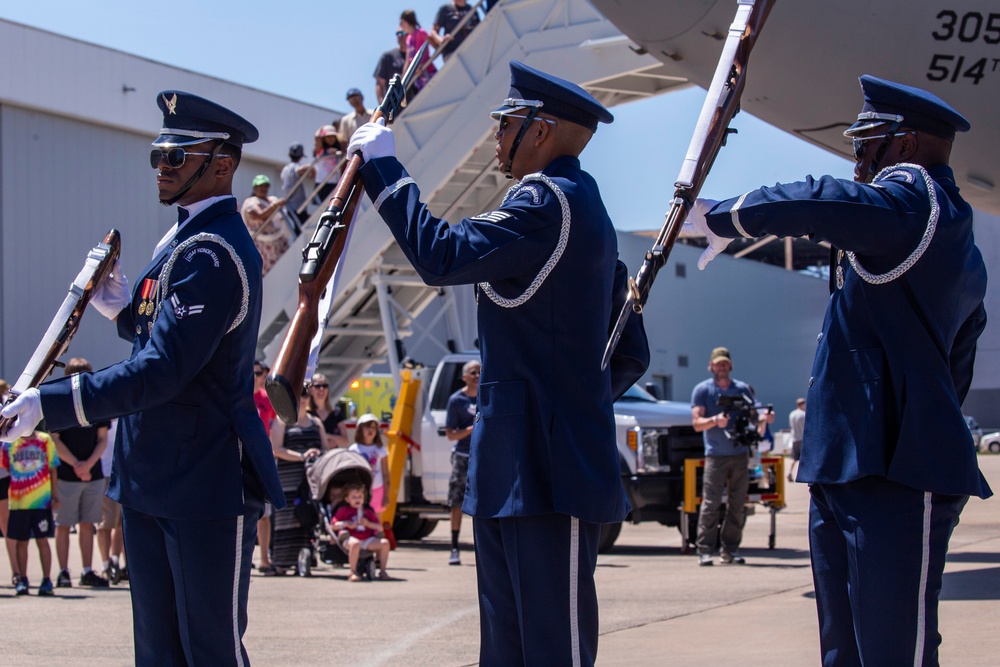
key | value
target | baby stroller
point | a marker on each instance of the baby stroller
(333, 470)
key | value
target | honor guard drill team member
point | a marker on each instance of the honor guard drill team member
(886, 450)
(192, 463)
(543, 471)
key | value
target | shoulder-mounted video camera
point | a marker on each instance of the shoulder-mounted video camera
(744, 416)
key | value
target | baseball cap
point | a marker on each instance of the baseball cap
(367, 417)
(721, 354)
(260, 179)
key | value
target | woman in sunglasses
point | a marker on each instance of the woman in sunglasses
(293, 446)
(330, 414)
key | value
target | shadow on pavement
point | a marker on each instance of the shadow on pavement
(981, 584)
(674, 551)
(973, 557)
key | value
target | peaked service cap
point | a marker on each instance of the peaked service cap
(190, 119)
(530, 87)
(886, 101)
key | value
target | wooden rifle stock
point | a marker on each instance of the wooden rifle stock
(319, 261)
(721, 103)
(64, 325)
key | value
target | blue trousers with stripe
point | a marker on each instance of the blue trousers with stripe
(878, 550)
(537, 599)
(189, 582)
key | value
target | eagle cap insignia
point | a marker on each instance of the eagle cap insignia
(171, 104)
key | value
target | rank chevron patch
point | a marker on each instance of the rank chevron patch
(182, 310)
(495, 217)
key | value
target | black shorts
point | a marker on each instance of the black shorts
(458, 480)
(30, 524)
(4, 487)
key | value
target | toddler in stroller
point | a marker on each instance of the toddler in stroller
(356, 521)
(329, 478)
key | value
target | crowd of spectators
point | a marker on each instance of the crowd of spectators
(54, 483)
(275, 222)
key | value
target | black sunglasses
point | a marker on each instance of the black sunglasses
(860, 144)
(258, 373)
(321, 386)
(175, 157)
(504, 120)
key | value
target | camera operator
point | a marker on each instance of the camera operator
(723, 409)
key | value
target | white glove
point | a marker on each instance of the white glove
(27, 408)
(112, 294)
(372, 140)
(696, 225)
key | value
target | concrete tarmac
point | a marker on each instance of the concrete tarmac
(658, 607)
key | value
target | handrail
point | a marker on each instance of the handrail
(474, 11)
(337, 168)
(440, 47)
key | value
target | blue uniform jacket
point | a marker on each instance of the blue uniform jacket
(190, 442)
(894, 360)
(544, 439)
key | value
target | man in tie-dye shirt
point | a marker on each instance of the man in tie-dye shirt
(31, 461)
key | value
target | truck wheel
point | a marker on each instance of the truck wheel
(995, 447)
(406, 526)
(609, 533)
(426, 529)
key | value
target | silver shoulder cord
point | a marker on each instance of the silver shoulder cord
(179, 250)
(925, 241)
(556, 254)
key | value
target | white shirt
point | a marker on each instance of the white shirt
(193, 210)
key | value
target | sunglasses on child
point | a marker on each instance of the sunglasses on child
(175, 157)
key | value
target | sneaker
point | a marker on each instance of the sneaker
(93, 579)
(14, 579)
(454, 559)
(733, 558)
(705, 559)
(123, 573)
(21, 588)
(64, 580)
(46, 588)
(114, 573)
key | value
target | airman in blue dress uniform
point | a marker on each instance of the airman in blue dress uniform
(192, 464)
(544, 471)
(886, 450)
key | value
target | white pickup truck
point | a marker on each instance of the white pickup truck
(653, 437)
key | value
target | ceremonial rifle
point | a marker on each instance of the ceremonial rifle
(721, 103)
(319, 260)
(99, 263)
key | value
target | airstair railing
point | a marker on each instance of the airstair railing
(440, 47)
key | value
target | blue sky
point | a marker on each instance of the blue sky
(314, 51)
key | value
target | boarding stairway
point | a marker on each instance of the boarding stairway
(445, 139)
